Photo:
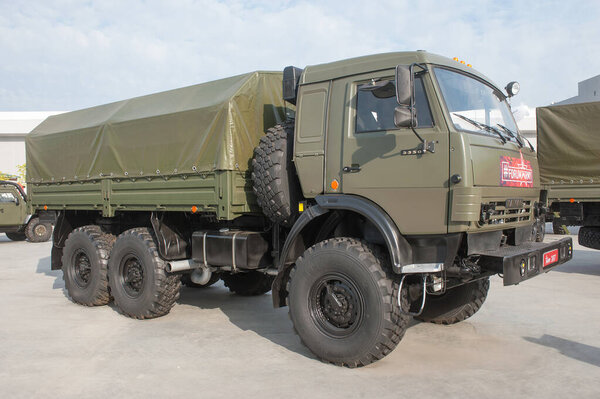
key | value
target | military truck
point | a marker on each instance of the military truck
(569, 157)
(15, 220)
(362, 193)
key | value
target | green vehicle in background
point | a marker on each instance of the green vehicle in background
(569, 156)
(15, 221)
(362, 193)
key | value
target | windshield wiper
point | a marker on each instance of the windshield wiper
(482, 126)
(517, 136)
(511, 134)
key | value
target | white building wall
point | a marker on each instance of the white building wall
(12, 154)
(14, 126)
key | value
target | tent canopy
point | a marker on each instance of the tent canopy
(205, 127)
(569, 142)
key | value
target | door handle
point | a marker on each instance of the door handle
(351, 169)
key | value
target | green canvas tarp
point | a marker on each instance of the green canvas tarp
(206, 127)
(568, 138)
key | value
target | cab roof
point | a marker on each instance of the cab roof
(378, 62)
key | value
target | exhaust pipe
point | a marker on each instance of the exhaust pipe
(174, 266)
(201, 275)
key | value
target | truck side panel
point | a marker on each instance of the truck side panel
(227, 194)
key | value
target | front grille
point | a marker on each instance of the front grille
(509, 211)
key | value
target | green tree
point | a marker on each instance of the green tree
(5, 176)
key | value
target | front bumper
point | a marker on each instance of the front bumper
(519, 263)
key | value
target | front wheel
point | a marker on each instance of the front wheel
(16, 236)
(36, 231)
(343, 302)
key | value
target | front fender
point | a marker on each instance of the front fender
(399, 249)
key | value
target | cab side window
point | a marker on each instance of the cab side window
(7, 197)
(375, 109)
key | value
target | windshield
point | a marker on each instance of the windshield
(475, 106)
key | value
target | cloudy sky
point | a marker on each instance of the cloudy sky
(67, 54)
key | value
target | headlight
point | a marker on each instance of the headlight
(512, 88)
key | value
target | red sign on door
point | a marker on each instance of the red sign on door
(515, 172)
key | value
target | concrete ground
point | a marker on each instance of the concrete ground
(540, 339)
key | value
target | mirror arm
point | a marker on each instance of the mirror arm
(412, 100)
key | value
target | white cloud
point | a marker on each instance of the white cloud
(71, 54)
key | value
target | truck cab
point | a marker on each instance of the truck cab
(456, 180)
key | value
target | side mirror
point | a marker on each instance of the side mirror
(405, 114)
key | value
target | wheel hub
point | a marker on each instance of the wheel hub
(336, 305)
(83, 269)
(133, 277)
(337, 301)
(39, 230)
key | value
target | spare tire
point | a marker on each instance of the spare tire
(275, 183)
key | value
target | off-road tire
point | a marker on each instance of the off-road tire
(358, 274)
(248, 284)
(558, 227)
(37, 231)
(589, 236)
(275, 183)
(154, 293)
(457, 304)
(16, 236)
(187, 281)
(85, 265)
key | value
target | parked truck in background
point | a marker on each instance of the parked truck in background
(386, 187)
(15, 220)
(569, 157)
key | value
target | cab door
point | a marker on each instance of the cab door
(11, 207)
(412, 189)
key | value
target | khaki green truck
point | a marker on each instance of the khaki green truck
(569, 157)
(362, 193)
(15, 220)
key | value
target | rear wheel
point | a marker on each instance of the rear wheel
(589, 237)
(16, 236)
(457, 304)
(36, 231)
(343, 302)
(249, 283)
(139, 282)
(85, 265)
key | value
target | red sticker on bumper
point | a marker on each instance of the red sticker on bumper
(551, 257)
(515, 172)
